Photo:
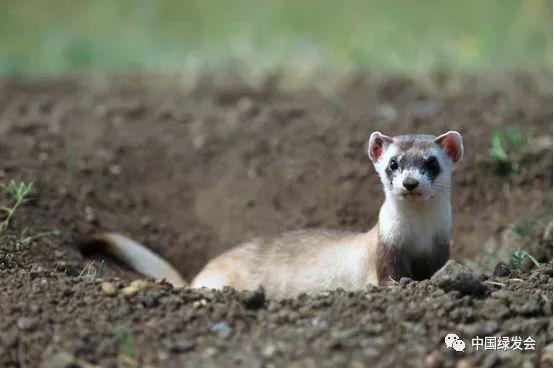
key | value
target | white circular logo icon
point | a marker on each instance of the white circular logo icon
(453, 341)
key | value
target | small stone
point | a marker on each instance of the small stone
(140, 284)
(199, 303)
(222, 329)
(109, 288)
(59, 360)
(130, 291)
(319, 322)
(90, 214)
(455, 276)
(196, 304)
(210, 351)
(115, 169)
(253, 299)
(371, 352)
(268, 351)
(180, 346)
(27, 323)
(36, 271)
(405, 281)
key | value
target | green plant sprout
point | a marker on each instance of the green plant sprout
(516, 260)
(506, 151)
(25, 240)
(18, 192)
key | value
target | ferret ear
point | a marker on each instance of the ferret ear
(377, 144)
(452, 143)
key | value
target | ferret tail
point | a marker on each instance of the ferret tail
(134, 255)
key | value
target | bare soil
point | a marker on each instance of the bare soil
(191, 173)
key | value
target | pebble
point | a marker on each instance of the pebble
(222, 329)
(140, 284)
(180, 346)
(115, 169)
(109, 288)
(27, 323)
(130, 291)
(199, 303)
(319, 322)
(268, 351)
(405, 281)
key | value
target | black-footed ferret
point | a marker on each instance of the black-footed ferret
(411, 239)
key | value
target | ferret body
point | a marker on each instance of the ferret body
(411, 238)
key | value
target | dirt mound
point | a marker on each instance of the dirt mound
(51, 317)
(192, 174)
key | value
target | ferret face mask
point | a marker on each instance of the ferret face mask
(415, 167)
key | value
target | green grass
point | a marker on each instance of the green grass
(18, 192)
(507, 151)
(63, 36)
(23, 239)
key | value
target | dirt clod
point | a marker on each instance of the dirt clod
(253, 299)
(455, 276)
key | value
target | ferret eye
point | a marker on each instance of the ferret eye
(393, 165)
(432, 164)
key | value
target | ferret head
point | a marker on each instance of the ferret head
(415, 167)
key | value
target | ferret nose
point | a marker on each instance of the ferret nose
(410, 183)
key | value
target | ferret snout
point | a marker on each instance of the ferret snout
(410, 183)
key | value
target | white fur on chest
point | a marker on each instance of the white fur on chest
(416, 225)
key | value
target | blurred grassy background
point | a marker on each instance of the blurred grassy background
(54, 37)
